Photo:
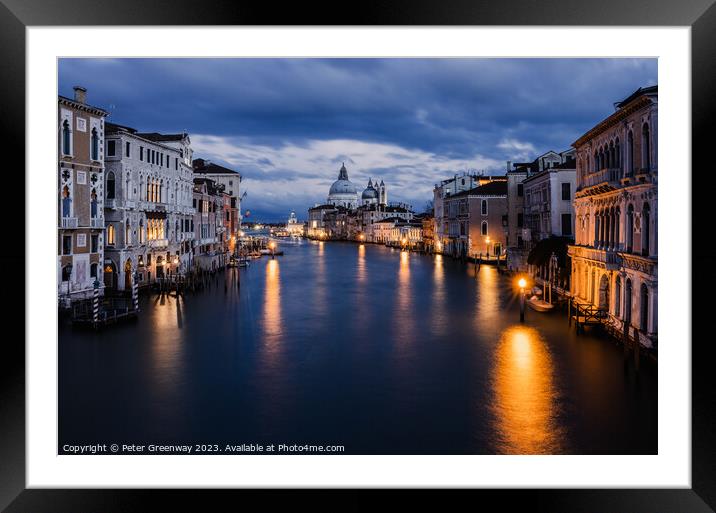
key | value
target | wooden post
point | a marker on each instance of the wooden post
(135, 292)
(95, 304)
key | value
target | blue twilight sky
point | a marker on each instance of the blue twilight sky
(287, 124)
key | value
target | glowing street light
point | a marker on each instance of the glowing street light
(272, 245)
(522, 284)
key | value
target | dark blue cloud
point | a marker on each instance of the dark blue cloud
(453, 108)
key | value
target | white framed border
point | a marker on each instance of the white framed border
(670, 468)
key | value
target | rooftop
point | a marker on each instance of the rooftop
(207, 167)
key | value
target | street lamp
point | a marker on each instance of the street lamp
(487, 241)
(522, 284)
(272, 245)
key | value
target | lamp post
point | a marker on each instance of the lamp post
(272, 245)
(487, 241)
(522, 283)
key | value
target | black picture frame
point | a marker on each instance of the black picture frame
(16, 15)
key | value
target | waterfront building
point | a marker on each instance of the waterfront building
(231, 180)
(369, 215)
(614, 257)
(445, 189)
(293, 227)
(476, 220)
(343, 192)
(316, 228)
(407, 234)
(428, 223)
(148, 206)
(548, 205)
(335, 223)
(210, 241)
(519, 234)
(80, 179)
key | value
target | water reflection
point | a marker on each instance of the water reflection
(272, 321)
(524, 406)
(487, 301)
(362, 273)
(439, 315)
(166, 344)
(404, 315)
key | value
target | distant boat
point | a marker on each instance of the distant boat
(539, 305)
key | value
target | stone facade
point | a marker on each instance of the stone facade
(80, 181)
(148, 206)
(476, 221)
(614, 258)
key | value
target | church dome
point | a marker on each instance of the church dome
(370, 192)
(343, 185)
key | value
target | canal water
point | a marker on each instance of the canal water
(363, 346)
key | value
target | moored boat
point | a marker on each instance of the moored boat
(539, 305)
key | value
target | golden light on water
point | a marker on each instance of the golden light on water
(272, 322)
(362, 274)
(524, 394)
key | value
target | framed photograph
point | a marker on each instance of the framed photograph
(419, 251)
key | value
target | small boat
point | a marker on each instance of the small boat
(539, 305)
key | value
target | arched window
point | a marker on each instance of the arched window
(95, 145)
(127, 233)
(93, 270)
(596, 160)
(484, 228)
(67, 272)
(645, 231)
(617, 154)
(646, 147)
(110, 234)
(484, 207)
(110, 185)
(127, 188)
(630, 228)
(627, 302)
(66, 202)
(93, 204)
(630, 153)
(66, 142)
(141, 231)
(644, 308)
(612, 157)
(618, 296)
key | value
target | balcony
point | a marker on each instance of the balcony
(110, 203)
(608, 257)
(607, 176)
(158, 243)
(68, 222)
(97, 222)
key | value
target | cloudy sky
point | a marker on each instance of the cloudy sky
(287, 124)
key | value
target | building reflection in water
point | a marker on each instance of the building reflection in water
(488, 308)
(167, 350)
(439, 315)
(362, 273)
(272, 321)
(524, 397)
(404, 315)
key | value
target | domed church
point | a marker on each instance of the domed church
(343, 193)
(374, 194)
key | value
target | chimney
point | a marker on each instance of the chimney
(80, 94)
(509, 165)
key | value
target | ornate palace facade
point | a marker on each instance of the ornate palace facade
(614, 258)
